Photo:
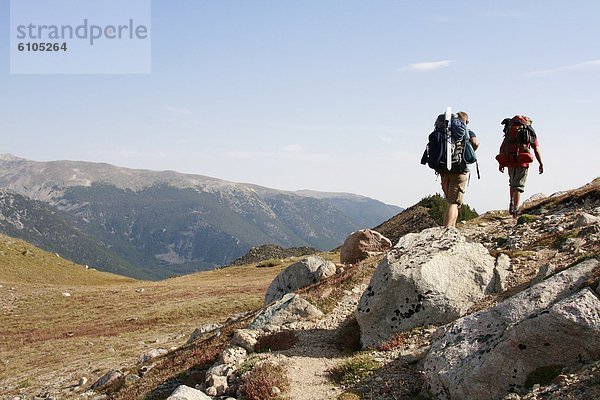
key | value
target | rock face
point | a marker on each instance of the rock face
(432, 277)
(298, 275)
(363, 244)
(488, 354)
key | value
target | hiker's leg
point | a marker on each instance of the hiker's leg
(516, 199)
(455, 194)
(518, 180)
(451, 215)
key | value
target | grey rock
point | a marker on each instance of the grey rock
(535, 197)
(545, 271)
(502, 271)
(233, 355)
(432, 277)
(219, 383)
(187, 393)
(584, 219)
(112, 378)
(245, 338)
(291, 308)
(202, 330)
(305, 272)
(490, 353)
(152, 354)
(363, 244)
(220, 370)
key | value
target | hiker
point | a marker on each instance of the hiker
(454, 180)
(514, 154)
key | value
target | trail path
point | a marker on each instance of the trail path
(316, 352)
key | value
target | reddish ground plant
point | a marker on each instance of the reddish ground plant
(266, 381)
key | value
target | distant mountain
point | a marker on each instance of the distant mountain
(44, 226)
(165, 223)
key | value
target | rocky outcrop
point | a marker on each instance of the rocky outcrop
(363, 244)
(486, 355)
(298, 275)
(432, 277)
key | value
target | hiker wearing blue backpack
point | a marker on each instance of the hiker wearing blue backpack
(452, 131)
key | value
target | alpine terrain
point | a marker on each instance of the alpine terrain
(152, 225)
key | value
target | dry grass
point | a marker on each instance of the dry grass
(108, 321)
(21, 262)
(259, 383)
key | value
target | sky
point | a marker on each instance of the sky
(328, 95)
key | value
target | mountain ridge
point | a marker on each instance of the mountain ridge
(175, 223)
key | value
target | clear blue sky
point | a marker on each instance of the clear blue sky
(331, 95)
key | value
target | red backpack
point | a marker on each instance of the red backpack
(519, 135)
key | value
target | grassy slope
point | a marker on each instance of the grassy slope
(108, 321)
(21, 262)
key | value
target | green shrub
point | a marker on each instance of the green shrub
(437, 206)
(354, 370)
(268, 263)
(526, 218)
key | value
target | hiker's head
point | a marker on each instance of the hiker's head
(464, 116)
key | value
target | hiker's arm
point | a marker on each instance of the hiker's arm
(474, 142)
(538, 157)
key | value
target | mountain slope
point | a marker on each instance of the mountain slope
(171, 223)
(24, 263)
(42, 225)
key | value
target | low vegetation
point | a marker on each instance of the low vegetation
(437, 206)
(269, 263)
(266, 381)
(109, 321)
(354, 369)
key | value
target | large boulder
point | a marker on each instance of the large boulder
(305, 272)
(428, 278)
(488, 354)
(363, 244)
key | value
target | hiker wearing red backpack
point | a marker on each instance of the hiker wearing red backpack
(515, 154)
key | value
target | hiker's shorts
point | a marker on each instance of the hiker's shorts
(454, 186)
(517, 176)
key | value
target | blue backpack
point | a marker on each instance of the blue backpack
(435, 152)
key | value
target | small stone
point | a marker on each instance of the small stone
(211, 391)
(233, 355)
(275, 391)
(82, 381)
(152, 354)
(66, 294)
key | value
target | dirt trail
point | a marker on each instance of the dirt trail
(316, 352)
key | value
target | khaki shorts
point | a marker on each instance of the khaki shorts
(454, 186)
(517, 176)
